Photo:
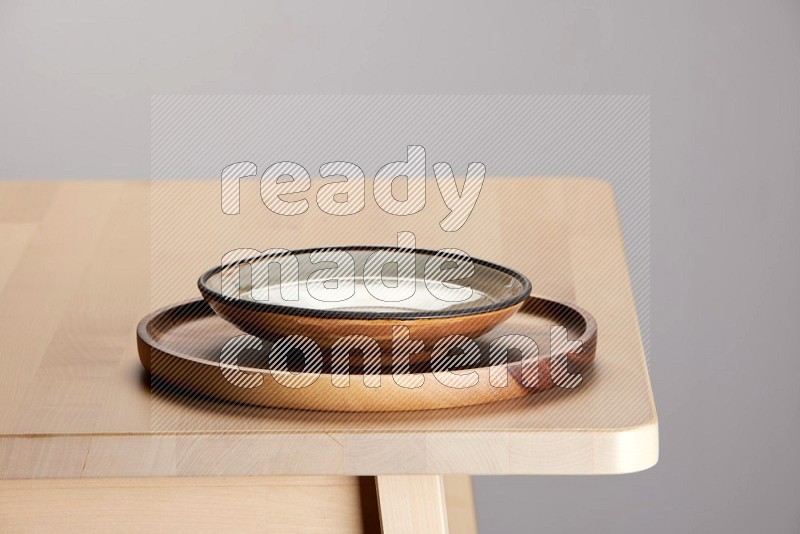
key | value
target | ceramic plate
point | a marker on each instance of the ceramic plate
(327, 294)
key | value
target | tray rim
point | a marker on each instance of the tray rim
(588, 337)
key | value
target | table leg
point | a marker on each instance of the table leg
(412, 503)
(460, 504)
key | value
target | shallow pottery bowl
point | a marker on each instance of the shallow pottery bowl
(329, 294)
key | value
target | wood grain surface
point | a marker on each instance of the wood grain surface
(341, 505)
(84, 261)
(410, 504)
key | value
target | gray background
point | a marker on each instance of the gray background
(724, 80)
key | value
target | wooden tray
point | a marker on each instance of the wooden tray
(181, 346)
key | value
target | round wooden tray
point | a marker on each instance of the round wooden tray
(182, 345)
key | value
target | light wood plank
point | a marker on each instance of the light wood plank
(411, 504)
(26, 201)
(460, 502)
(14, 239)
(253, 504)
(41, 290)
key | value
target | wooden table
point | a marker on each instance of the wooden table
(84, 442)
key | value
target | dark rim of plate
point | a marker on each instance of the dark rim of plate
(213, 295)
